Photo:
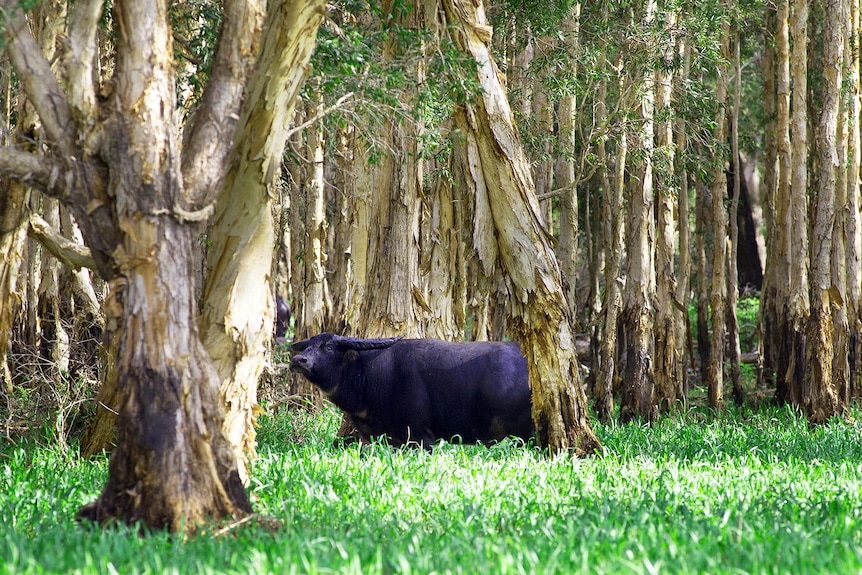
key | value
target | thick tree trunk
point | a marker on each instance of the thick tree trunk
(391, 304)
(797, 299)
(174, 465)
(499, 174)
(237, 318)
(341, 262)
(442, 283)
(669, 319)
(779, 332)
(640, 290)
(825, 341)
(360, 208)
(854, 225)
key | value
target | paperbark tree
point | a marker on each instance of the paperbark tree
(13, 233)
(683, 284)
(733, 346)
(566, 178)
(853, 230)
(669, 320)
(718, 291)
(636, 316)
(511, 229)
(776, 298)
(795, 223)
(613, 223)
(116, 164)
(819, 398)
(392, 273)
(237, 317)
(768, 186)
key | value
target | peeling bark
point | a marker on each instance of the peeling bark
(499, 175)
(238, 305)
(636, 317)
(826, 343)
(175, 464)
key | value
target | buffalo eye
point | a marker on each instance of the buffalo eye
(330, 347)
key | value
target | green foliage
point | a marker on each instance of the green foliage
(747, 309)
(196, 25)
(751, 491)
(376, 58)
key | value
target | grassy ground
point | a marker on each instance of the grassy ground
(747, 492)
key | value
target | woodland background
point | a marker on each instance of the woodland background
(676, 156)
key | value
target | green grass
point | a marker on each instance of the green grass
(747, 492)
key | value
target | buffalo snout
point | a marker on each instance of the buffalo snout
(300, 364)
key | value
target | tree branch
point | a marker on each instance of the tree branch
(322, 114)
(209, 140)
(37, 79)
(73, 255)
(33, 169)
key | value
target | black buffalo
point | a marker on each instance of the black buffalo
(282, 316)
(420, 390)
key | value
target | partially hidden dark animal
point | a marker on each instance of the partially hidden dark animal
(282, 316)
(416, 391)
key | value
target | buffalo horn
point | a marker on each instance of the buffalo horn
(358, 344)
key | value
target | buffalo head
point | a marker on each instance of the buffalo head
(321, 359)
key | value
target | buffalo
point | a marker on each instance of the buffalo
(416, 391)
(282, 316)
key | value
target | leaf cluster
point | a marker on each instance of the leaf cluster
(394, 69)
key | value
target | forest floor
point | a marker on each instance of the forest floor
(752, 490)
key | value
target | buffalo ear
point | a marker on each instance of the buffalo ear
(349, 356)
(300, 345)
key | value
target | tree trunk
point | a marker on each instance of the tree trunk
(316, 304)
(613, 222)
(640, 290)
(341, 262)
(683, 284)
(237, 321)
(779, 332)
(734, 351)
(718, 292)
(14, 206)
(499, 175)
(702, 233)
(391, 306)
(823, 338)
(854, 225)
(669, 320)
(359, 225)
(768, 312)
(797, 213)
(174, 465)
(442, 282)
(566, 177)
